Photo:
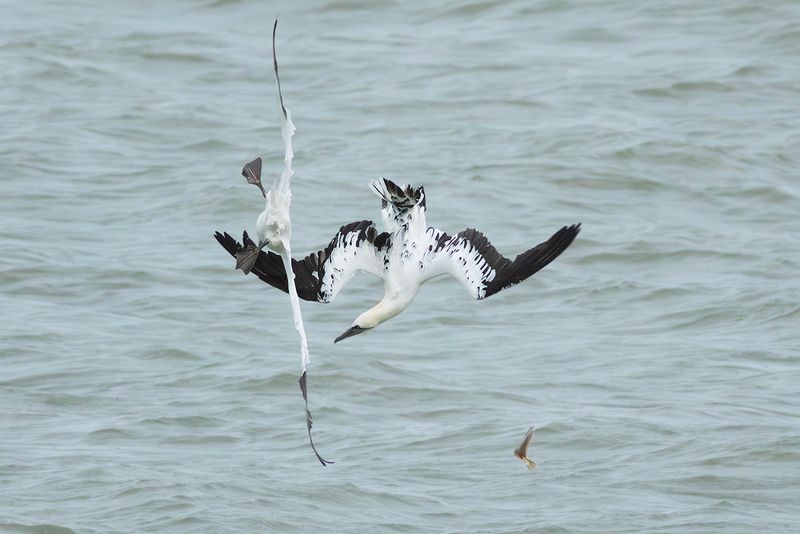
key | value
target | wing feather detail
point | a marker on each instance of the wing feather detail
(321, 275)
(471, 259)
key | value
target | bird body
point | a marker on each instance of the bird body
(406, 255)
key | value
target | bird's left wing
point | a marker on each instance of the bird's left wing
(321, 275)
(471, 259)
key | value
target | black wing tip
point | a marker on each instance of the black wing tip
(246, 256)
(222, 235)
(568, 234)
(560, 240)
(558, 243)
(228, 242)
(532, 261)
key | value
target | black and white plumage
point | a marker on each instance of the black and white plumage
(405, 256)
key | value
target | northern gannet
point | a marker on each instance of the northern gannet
(405, 256)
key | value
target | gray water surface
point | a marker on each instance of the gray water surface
(145, 386)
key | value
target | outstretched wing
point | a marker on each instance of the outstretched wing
(470, 258)
(321, 275)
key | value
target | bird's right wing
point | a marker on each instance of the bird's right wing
(321, 275)
(471, 259)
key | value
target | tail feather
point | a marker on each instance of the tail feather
(402, 197)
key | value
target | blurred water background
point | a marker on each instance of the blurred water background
(147, 387)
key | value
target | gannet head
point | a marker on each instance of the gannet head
(381, 312)
(366, 321)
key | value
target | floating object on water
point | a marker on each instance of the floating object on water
(521, 452)
(405, 256)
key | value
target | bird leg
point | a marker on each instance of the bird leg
(252, 173)
(246, 258)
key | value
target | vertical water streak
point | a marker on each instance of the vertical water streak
(281, 203)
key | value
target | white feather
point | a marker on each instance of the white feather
(346, 259)
(461, 260)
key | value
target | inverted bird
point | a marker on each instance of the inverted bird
(405, 256)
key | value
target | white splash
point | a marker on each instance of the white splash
(282, 187)
(274, 227)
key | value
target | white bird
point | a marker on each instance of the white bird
(405, 256)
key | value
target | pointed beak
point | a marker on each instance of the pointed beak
(350, 332)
